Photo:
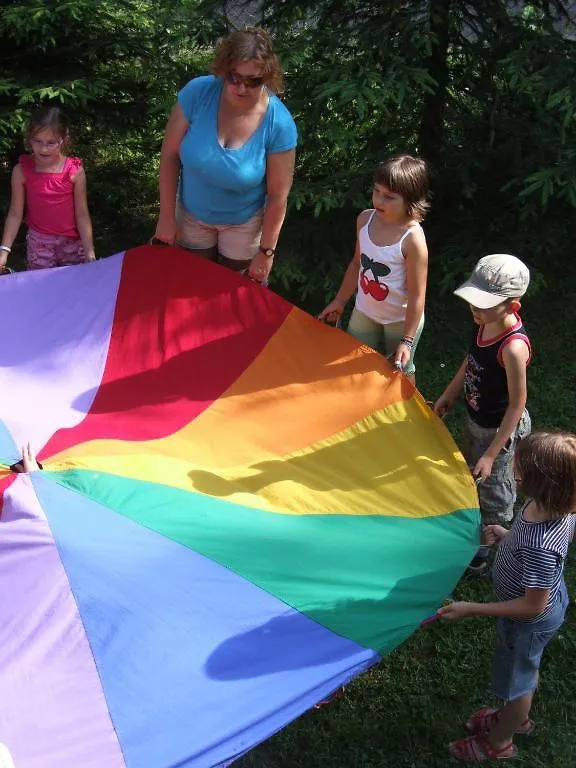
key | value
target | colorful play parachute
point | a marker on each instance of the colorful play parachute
(240, 510)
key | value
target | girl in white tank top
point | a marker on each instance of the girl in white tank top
(390, 265)
(382, 285)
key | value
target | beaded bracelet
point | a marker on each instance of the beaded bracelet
(407, 341)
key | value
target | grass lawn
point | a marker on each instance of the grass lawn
(402, 713)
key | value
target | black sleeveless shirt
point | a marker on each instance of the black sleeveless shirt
(485, 383)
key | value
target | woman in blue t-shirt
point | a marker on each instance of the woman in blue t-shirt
(227, 159)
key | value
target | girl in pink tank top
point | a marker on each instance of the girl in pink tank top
(50, 188)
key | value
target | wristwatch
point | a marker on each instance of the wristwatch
(268, 252)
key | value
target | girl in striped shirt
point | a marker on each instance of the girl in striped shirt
(528, 577)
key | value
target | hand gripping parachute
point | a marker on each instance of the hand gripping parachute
(241, 509)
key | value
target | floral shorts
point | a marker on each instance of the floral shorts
(45, 251)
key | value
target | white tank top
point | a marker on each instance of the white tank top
(382, 292)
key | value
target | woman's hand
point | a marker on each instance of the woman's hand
(260, 267)
(166, 231)
(333, 312)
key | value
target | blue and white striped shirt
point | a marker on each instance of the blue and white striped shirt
(532, 556)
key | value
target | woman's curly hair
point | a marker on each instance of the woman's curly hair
(250, 44)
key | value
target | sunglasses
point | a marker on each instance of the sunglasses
(248, 82)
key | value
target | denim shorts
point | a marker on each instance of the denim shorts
(382, 338)
(519, 649)
(497, 494)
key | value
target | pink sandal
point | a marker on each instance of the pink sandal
(477, 749)
(485, 719)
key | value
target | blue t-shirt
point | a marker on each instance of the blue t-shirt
(226, 186)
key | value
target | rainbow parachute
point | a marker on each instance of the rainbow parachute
(240, 510)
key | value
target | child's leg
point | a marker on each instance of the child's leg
(499, 490)
(515, 674)
(40, 250)
(365, 329)
(511, 718)
(69, 252)
(497, 493)
(516, 668)
(393, 332)
(475, 443)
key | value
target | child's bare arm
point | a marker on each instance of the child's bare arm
(350, 279)
(532, 603)
(515, 358)
(15, 212)
(415, 253)
(447, 399)
(83, 221)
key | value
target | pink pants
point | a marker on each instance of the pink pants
(45, 251)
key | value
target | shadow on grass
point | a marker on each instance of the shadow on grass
(403, 712)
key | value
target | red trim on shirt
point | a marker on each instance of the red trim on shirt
(494, 339)
(512, 338)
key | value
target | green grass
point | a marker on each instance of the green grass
(403, 713)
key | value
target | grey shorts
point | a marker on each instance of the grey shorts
(519, 650)
(497, 494)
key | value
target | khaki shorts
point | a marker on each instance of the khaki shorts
(238, 242)
(497, 494)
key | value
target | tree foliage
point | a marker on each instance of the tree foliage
(115, 67)
(484, 89)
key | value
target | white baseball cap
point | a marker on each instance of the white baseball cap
(495, 278)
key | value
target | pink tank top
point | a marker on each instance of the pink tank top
(50, 198)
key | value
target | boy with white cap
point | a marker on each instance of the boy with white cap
(493, 377)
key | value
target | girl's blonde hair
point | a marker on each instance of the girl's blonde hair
(407, 176)
(250, 44)
(546, 465)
